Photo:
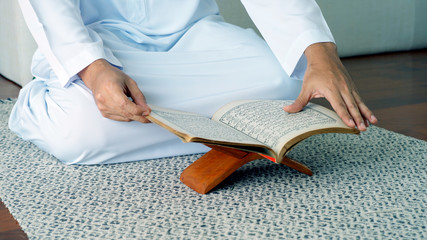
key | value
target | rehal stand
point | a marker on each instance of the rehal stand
(219, 163)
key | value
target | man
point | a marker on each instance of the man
(99, 62)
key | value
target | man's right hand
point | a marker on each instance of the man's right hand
(111, 89)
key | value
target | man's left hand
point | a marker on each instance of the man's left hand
(327, 77)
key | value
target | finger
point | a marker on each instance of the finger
(138, 97)
(299, 103)
(119, 101)
(125, 119)
(141, 119)
(134, 112)
(116, 117)
(340, 108)
(366, 112)
(121, 107)
(354, 111)
(109, 113)
(129, 109)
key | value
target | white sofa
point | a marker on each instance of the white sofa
(359, 27)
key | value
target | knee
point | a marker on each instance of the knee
(62, 122)
(274, 81)
(69, 147)
(74, 137)
(76, 144)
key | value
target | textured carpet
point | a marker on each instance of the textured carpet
(367, 186)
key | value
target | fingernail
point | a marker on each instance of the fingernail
(373, 118)
(352, 122)
(362, 125)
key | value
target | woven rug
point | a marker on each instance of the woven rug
(371, 186)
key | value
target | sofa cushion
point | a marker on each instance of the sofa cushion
(16, 44)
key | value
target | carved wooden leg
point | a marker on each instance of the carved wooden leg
(213, 167)
(297, 166)
(219, 163)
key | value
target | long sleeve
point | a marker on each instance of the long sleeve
(62, 37)
(289, 27)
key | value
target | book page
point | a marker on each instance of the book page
(266, 121)
(190, 125)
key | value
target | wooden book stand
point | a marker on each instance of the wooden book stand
(219, 163)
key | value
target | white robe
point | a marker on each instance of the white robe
(181, 54)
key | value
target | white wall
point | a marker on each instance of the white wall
(361, 26)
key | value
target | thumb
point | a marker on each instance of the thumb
(298, 104)
(138, 97)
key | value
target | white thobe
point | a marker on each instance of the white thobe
(180, 53)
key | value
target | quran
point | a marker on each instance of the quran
(259, 126)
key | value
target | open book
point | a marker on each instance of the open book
(260, 126)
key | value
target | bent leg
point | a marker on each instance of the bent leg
(199, 74)
(66, 123)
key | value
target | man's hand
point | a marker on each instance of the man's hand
(111, 89)
(327, 77)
